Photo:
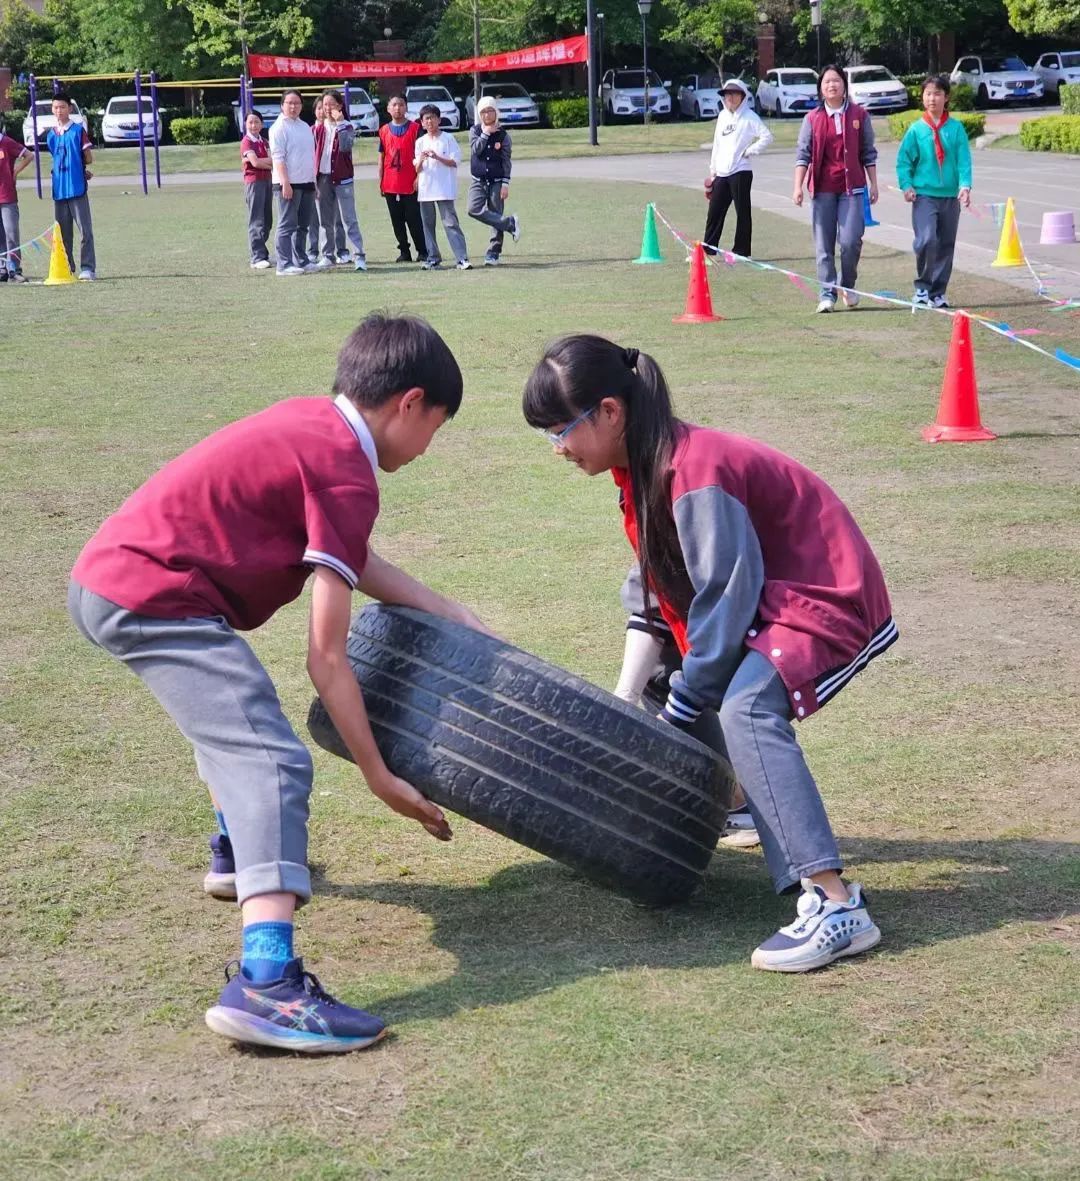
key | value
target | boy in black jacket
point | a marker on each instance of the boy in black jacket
(490, 160)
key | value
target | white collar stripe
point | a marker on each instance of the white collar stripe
(360, 429)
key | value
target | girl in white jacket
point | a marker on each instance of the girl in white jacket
(740, 135)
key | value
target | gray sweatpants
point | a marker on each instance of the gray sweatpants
(260, 209)
(832, 214)
(446, 210)
(486, 205)
(210, 683)
(9, 237)
(294, 217)
(935, 221)
(754, 732)
(77, 210)
(337, 205)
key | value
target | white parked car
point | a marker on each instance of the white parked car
(875, 88)
(1054, 68)
(787, 92)
(421, 96)
(997, 79)
(514, 103)
(268, 108)
(362, 113)
(46, 122)
(120, 122)
(698, 96)
(622, 92)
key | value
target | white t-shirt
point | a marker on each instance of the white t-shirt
(291, 143)
(438, 181)
(328, 145)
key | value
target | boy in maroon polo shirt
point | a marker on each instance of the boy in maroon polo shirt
(215, 543)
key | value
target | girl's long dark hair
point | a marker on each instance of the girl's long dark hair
(575, 373)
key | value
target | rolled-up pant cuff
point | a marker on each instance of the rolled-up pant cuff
(274, 877)
(789, 882)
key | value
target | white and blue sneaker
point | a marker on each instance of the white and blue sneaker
(740, 831)
(823, 931)
(920, 300)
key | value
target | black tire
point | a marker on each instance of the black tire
(778, 110)
(982, 98)
(536, 754)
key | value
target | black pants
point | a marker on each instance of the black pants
(726, 189)
(405, 214)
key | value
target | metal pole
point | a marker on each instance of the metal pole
(600, 60)
(243, 104)
(818, 31)
(476, 51)
(33, 124)
(645, 66)
(590, 73)
(348, 103)
(157, 138)
(142, 135)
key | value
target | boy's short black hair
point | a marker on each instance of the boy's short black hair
(62, 96)
(387, 355)
(938, 81)
(430, 109)
(397, 95)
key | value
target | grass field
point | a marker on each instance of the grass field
(546, 1029)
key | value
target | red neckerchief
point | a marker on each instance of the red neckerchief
(939, 147)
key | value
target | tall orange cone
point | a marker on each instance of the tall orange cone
(59, 271)
(698, 300)
(958, 418)
(1010, 253)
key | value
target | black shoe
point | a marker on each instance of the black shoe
(404, 256)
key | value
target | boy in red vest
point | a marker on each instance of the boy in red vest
(397, 178)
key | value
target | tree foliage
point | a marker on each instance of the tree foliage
(223, 29)
(715, 28)
(1045, 17)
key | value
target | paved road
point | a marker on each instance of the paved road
(1037, 183)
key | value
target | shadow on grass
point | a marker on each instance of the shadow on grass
(537, 926)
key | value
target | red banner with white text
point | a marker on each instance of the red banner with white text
(568, 51)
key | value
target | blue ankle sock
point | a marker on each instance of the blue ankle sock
(268, 947)
(221, 823)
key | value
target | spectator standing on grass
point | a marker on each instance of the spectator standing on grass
(340, 246)
(437, 157)
(14, 157)
(293, 156)
(70, 148)
(933, 170)
(740, 136)
(397, 178)
(334, 138)
(212, 545)
(489, 154)
(772, 593)
(836, 157)
(258, 190)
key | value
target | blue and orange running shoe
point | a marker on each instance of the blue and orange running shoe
(294, 1013)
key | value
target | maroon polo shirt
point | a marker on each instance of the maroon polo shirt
(261, 148)
(234, 526)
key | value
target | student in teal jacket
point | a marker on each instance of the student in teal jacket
(933, 167)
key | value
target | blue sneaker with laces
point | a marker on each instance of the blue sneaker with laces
(823, 931)
(220, 882)
(294, 1013)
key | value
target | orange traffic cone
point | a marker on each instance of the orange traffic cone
(59, 271)
(958, 411)
(698, 300)
(1010, 253)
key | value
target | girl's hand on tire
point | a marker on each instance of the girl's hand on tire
(400, 795)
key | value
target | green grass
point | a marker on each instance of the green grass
(545, 1028)
(529, 144)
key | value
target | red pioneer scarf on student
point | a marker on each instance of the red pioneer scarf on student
(939, 147)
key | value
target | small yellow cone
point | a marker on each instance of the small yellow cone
(59, 271)
(1010, 252)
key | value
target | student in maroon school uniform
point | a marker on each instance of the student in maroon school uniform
(13, 159)
(771, 592)
(258, 189)
(211, 546)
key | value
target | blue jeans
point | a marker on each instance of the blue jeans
(833, 214)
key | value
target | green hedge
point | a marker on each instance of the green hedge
(1069, 93)
(566, 112)
(12, 122)
(1054, 133)
(210, 129)
(973, 124)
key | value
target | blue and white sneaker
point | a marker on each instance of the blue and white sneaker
(920, 300)
(294, 1013)
(824, 931)
(740, 831)
(220, 882)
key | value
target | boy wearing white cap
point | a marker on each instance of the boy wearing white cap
(740, 135)
(490, 166)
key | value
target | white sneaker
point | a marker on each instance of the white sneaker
(823, 931)
(939, 301)
(290, 270)
(515, 229)
(324, 263)
(850, 298)
(263, 264)
(740, 831)
(826, 305)
(463, 264)
(361, 264)
(309, 268)
(86, 275)
(920, 300)
(344, 260)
